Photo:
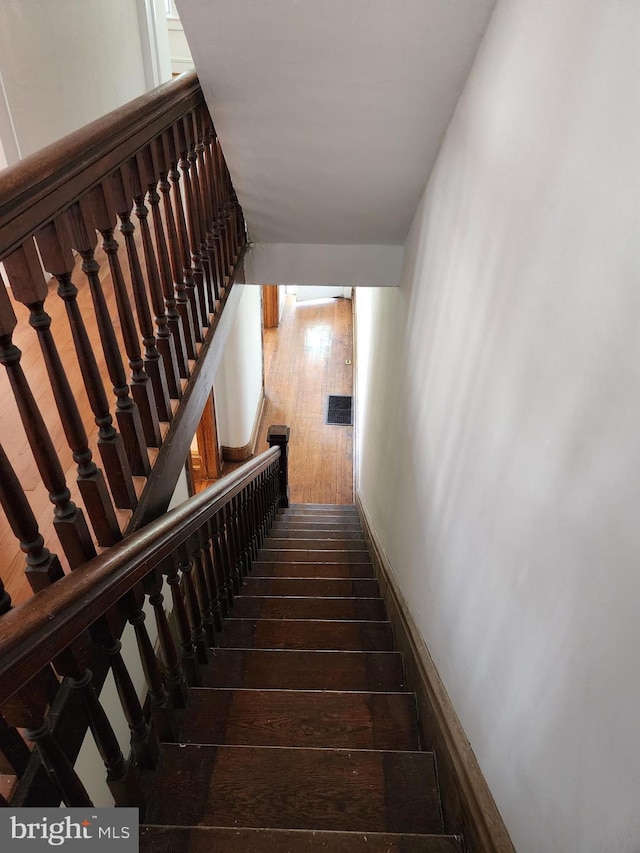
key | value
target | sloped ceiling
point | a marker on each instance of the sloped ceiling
(331, 112)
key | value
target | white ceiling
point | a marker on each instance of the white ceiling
(331, 112)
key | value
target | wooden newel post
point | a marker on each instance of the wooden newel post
(278, 436)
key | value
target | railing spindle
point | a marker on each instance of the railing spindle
(121, 187)
(29, 287)
(141, 173)
(27, 709)
(193, 604)
(80, 218)
(176, 683)
(69, 522)
(161, 704)
(190, 664)
(177, 250)
(190, 258)
(55, 249)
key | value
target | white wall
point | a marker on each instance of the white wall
(499, 447)
(238, 381)
(64, 64)
(319, 264)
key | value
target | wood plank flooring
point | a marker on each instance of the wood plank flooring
(305, 361)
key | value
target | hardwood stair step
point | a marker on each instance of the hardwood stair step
(346, 529)
(284, 569)
(326, 543)
(289, 669)
(214, 839)
(293, 788)
(337, 518)
(302, 718)
(291, 607)
(311, 634)
(324, 587)
(304, 555)
(323, 506)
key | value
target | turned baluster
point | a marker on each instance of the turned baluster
(190, 664)
(123, 190)
(162, 708)
(175, 680)
(214, 225)
(14, 753)
(27, 709)
(205, 596)
(29, 287)
(177, 250)
(221, 564)
(144, 741)
(225, 210)
(207, 188)
(54, 243)
(178, 348)
(190, 255)
(141, 176)
(84, 240)
(123, 778)
(42, 567)
(103, 217)
(233, 542)
(219, 204)
(193, 605)
(244, 533)
(211, 577)
(188, 164)
(69, 522)
(206, 293)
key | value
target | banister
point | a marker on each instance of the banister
(30, 191)
(35, 632)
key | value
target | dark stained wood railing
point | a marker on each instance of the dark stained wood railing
(136, 211)
(91, 193)
(56, 630)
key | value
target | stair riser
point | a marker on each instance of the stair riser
(350, 531)
(326, 543)
(299, 789)
(207, 839)
(288, 607)
(316, 635)
(301, 555)
(299, 670)
(293, 718)
(339, 588)
(263, 569)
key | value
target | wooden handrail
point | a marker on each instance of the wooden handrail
(30, 191)
(35, 632)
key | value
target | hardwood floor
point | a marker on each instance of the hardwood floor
(305, 361)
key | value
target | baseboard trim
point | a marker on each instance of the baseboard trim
(241, 454)
(468, 806)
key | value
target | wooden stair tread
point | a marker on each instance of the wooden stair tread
(325, 543)
(287, 531)
(324, 587)
(312, 528)
(315, 506)
(314, 634)
(292, 788)
(285, 569)
(214, 839)
(355, 720)
(308, 607)
(311, 555)
(302, 670)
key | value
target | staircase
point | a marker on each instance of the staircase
(302, 738)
